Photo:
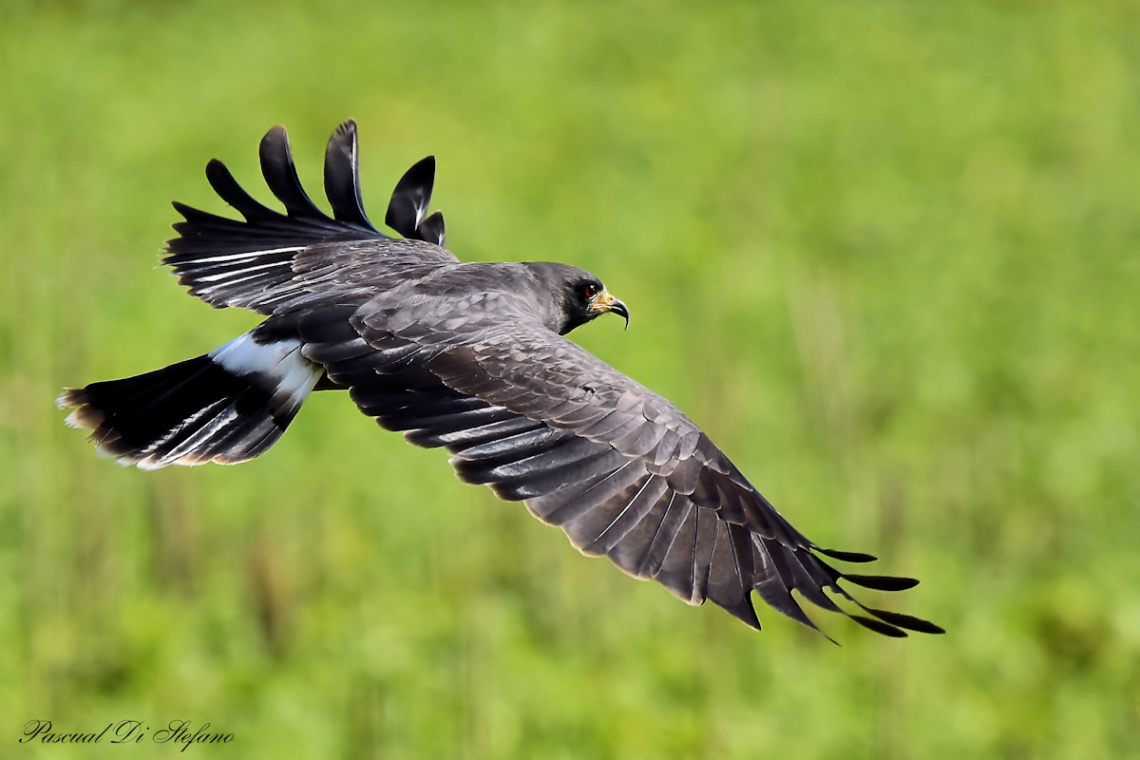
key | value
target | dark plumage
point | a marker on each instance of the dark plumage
(467, 356)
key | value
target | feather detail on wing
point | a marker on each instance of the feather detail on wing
(260, 262)
(618, 468)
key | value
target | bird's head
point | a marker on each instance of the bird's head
(587, 299)
(577, 296)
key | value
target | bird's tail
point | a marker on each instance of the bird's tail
(227, 406)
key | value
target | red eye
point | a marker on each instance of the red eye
(590, 291)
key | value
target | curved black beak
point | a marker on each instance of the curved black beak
(618, 307)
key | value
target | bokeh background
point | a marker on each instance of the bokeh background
(885, 253)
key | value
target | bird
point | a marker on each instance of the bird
(468, 356)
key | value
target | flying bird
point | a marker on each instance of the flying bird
(469, 356)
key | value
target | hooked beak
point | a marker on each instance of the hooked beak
(605, 302)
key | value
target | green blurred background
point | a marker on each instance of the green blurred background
(886, 253)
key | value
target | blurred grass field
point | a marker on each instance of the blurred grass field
(885, 253)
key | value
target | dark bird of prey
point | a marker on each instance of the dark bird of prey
(467, 356)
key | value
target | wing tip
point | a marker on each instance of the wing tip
(846, 556)
(347, 127)
(881, 582)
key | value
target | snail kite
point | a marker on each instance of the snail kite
(467, 356)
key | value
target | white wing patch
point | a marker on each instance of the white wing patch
(292, 374)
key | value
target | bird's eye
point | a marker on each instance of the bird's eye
(590, 290)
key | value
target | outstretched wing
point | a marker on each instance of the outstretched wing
(620, 469)
(271, 259)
